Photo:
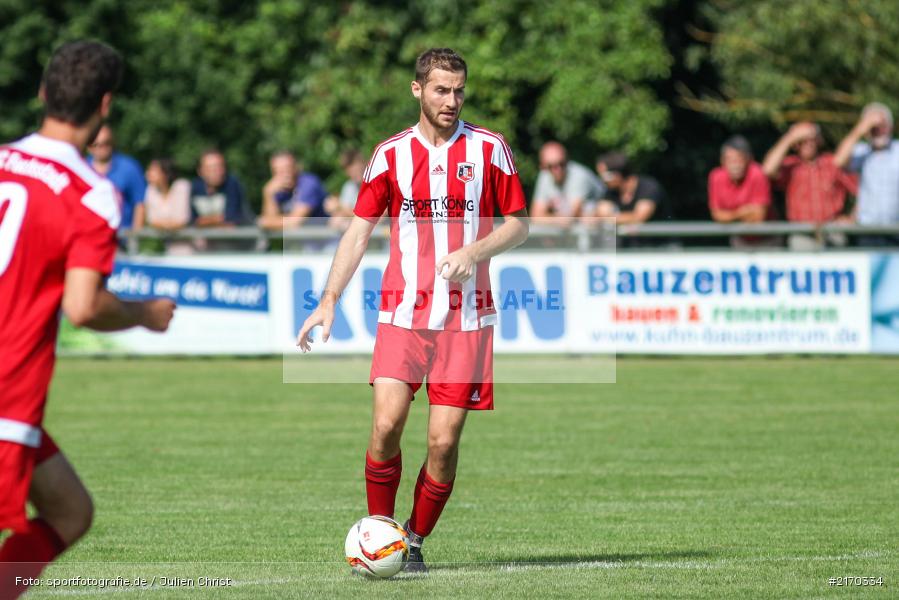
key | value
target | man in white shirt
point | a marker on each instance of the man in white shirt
(565, 190)
(877, 163)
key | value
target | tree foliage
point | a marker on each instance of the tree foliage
(781, 62)
(664, 80)
(318, 77)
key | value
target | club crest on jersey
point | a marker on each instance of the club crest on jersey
(465, 171)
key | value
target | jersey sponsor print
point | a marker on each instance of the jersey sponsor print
(439, 199)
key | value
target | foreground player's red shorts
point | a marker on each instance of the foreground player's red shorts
(458, 364)
(17, 463)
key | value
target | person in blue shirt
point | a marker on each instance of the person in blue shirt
(291, 196)
(217, 198)
(124, 172)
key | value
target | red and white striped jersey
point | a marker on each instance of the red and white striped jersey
(56, 213)
(439, 199)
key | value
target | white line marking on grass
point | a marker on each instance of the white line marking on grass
(612, 564)
(496, 563)
(681, 564)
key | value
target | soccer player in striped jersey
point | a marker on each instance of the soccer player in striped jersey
(58, 221)
(441, 183)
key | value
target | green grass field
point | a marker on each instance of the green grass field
(689, 478)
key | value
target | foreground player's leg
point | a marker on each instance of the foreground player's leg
(435, 480)
(383, 460)
(64, 512)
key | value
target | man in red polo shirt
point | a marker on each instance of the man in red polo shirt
(740, 192)
(815, 187)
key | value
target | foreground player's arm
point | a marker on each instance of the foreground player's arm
(459, 265)
(505, 187)
(87, 303)
(346, 260)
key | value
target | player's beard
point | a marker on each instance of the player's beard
(433, 117)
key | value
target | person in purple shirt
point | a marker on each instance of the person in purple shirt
(291, 196)
(124, 172)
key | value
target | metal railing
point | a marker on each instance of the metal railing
(601, 235)
(693, 229)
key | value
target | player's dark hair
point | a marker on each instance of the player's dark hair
(738, 143)
(617, 162)
(77, 77)
(438, 58)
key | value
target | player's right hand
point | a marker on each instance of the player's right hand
(324, 316)
(157, 314)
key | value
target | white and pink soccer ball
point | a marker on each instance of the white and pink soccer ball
(377, 547)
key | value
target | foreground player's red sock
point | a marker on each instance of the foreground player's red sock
(25, 555)
(429, 500)
(382, 480)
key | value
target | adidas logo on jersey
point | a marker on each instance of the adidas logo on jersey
(476, 397)
(438, 170)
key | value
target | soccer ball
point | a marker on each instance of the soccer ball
(376, 547)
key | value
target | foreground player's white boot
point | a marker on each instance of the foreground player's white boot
(416, 562)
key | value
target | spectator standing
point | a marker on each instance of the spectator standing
(815, 187)
(739, 192)
(630, 198)
(124, 172)
(877, 161)
(291, 195)
(217, 198)
(565, 189)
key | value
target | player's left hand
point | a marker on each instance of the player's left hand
(457, 266)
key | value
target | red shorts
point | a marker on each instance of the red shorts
(458, 364)
(17, 463)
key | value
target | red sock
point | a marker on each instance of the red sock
(24, 555)
(382, 480)
(429, 500)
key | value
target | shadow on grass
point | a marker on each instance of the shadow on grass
(573, 560)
